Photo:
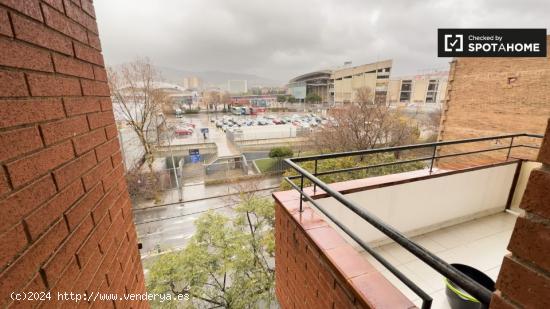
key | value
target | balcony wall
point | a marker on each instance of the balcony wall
(415, 202)
(317, 268)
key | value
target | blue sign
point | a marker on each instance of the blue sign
(204, 130)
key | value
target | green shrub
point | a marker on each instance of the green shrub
(281, 152)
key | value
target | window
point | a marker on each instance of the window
(405, 95)
(431, 95)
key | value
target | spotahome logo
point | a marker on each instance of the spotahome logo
(491, 42)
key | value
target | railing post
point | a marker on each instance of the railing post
(315, 174)
(301, 192)
(433, 158)
(510, 148)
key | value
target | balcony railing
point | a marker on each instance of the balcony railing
(481, 293)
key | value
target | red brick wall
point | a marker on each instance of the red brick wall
(482, 102)
(66, 215)
(524, 279)
(317, 268)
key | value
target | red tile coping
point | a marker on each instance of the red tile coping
(368, 285)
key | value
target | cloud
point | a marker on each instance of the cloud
(284, 38)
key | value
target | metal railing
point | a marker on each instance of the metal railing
(475, 289)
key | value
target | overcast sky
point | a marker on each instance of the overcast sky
(280, 39)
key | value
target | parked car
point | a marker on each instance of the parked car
(183, 131)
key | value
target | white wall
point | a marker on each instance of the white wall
(421, 206)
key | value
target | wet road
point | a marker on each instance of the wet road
(171, 226)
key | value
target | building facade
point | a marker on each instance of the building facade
(318, 82)
(67, 223)
(348, 80)
(495, 96)
(237, 86)
(192, 82)
(428, 88)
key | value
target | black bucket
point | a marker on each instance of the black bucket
(460, 299)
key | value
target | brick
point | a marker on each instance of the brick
(71, 66)
(35, 285)
(38, 34)
(12, 243)
(68, 173)
(57, 4)
(88, 7)
(85, 142)
(116, 158)
(106, 105)
(531, 241)
(38, 221)
(20, 55)
(36, 165)
(20, 142)
(54, 132)
(61, 23)
(30, 8)
(4, 185)
(83, 207)
(13, 84)
(18, 112)
(78, 15)
(101, 119)
(103, 206)
(111, 131)
(66, 280)
(100, 74)
(95, 88)
(5, 26)
(26, 266)
(497, 302)
(536, 198)
(53, 85)
(89, 54)
(83, 105)
(55, 265)
(544, 152)
(523, 285)
(107, 149)
(94, 41)
(19, 204)
(95, 175)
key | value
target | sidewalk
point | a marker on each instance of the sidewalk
(194, 192)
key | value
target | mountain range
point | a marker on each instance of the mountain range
(216, 78)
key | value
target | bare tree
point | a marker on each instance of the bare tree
(211, 99)
(365, 125)
(137, 99)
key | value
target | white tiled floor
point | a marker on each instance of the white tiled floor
(480, 243)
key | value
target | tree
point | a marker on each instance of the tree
(211, 99)
(136, 98)
(281, 98)
(313, 98)
(228, 263)
(365, 125)
(291, 99)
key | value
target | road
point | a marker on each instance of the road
(169, 226)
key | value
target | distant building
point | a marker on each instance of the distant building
(347, 80)
(317, 82)
(237, 86)
(419, 89)
(340, 85)
(192, 82)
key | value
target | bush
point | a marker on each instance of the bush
(192, 111)
(281, 152)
